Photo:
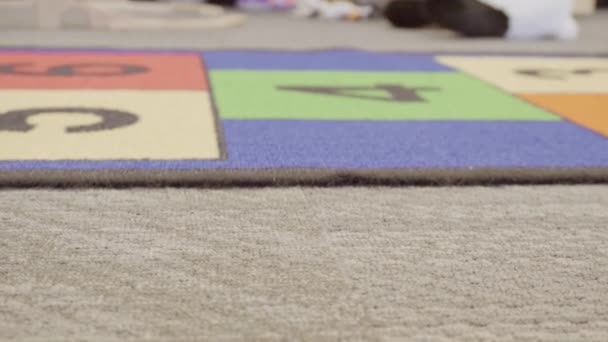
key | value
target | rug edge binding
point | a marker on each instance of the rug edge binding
(300, 177)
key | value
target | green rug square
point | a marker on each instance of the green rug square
(327, 95)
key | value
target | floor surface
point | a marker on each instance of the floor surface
(427, 264)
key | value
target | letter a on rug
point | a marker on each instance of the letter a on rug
(331, 117)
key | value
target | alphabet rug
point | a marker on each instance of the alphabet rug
(329, 117)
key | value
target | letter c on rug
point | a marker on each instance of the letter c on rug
(16, 120)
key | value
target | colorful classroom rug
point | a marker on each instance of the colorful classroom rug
(332, 117)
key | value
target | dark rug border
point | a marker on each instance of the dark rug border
(300, 177)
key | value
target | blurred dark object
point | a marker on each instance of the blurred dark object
(408, 13)
(225, 3)
(602, 3)
(470, 18)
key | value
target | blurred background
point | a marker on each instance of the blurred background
(472, 18)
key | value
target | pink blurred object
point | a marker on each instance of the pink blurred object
(267, 5)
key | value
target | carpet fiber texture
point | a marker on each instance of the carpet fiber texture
(430, 264)
(118, 117)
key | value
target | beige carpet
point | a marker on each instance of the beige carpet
(516, 263)
(374, 264)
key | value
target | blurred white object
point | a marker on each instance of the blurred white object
(339, 9)
(113, 15)
(537, 19)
